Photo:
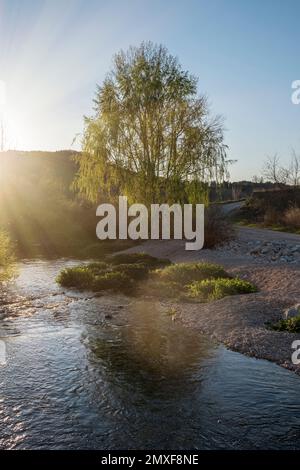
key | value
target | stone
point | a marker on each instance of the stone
(292, 312)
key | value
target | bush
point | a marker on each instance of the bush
(111, 280)
(271, 217)
(217, 227)
(214, 289)
(184, 273)
(134, 271)
(6, 258)
(79, 276)
(200, 281)
(97, 268)
(291, 217)
(134, 258)
(292, 325)
(88, 277)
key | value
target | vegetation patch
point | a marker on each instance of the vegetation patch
(121, 272)
(215, 289)
(200, 282)
(291, 325)
(185, 273)
(6, 257)
(138, 258)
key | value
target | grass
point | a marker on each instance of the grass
(87, 277)
(120, 272)
(184, 273)
(291, 325)
(215, 289)
(201, 282)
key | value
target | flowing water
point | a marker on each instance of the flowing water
(86, 372)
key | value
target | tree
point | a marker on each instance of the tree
(294, 169)
(151, 137)
(276, 173)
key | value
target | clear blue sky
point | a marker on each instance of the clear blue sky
(245, 53)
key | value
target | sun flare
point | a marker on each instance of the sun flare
(10, 122)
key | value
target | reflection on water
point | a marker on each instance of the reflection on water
(108, 373)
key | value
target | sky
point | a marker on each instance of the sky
(245, 53)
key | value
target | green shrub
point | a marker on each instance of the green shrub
(292, 325)
(111, 280)
(103, 248)
(134, 271)
(86, 277)
(214, 289)
(6, 258)
(98, 267)
(185, 273)
(79, 276)
(199, 281)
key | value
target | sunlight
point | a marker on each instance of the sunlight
(2, 95)
(11, 122)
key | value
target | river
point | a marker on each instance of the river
(86, 372)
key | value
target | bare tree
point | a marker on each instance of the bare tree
(257, 179)
(274, 172)
(294, 169)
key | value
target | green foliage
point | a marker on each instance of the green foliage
(79, 276)
(93, 277)
(6, 257)
(113, 274)
(292, 325)
(184, 273)
(136, 271)
(43, 217)
(111, 280)
(97, 267)
(183, 281)
(214, 289)
(151, 137)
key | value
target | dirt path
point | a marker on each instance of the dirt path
(240, 321)
(248, 234)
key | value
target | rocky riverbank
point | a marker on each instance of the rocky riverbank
(271, 261)
(266, 251)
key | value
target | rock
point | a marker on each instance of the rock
(254, 252)
(292, 312)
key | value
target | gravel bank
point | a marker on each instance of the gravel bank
(239, 322)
